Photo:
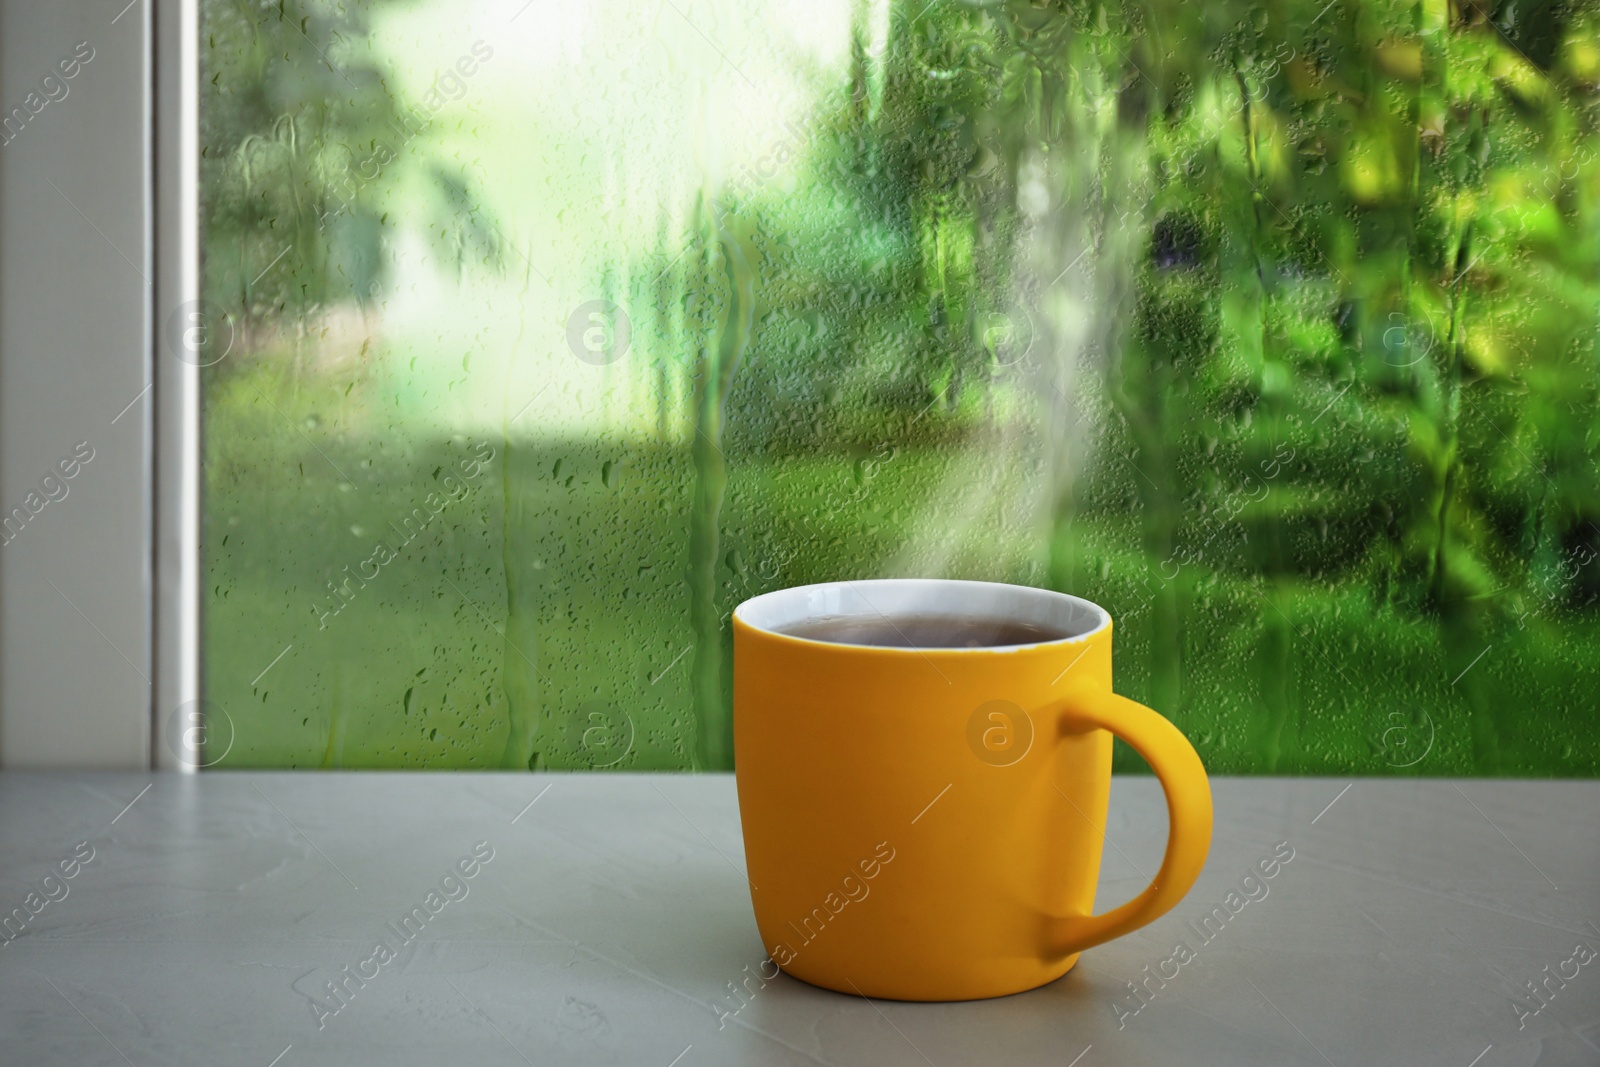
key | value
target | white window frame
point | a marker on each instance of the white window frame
(99, 248)
(175, 457)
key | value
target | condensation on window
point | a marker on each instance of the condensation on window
(541, 335)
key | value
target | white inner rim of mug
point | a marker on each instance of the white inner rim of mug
(877, 598)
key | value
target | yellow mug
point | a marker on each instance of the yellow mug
(926, 823)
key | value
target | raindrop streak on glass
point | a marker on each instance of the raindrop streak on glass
(712, 711)
(518, 541)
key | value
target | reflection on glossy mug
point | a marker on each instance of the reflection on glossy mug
(926, 823)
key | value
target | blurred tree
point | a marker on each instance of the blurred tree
(303, 132)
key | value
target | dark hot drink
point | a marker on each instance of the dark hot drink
(923, 631)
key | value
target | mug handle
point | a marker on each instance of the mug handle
(1183, 778)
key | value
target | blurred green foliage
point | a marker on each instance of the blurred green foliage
(1311, 289)
(299, 151)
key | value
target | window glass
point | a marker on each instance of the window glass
(540, 335)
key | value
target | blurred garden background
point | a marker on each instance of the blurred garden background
(543, 335)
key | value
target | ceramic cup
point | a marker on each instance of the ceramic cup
(927, 823)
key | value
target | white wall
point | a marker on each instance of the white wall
(75, 298)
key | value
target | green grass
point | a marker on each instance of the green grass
(411, 671)
(1289, 678)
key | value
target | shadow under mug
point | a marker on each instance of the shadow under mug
(927, 823)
